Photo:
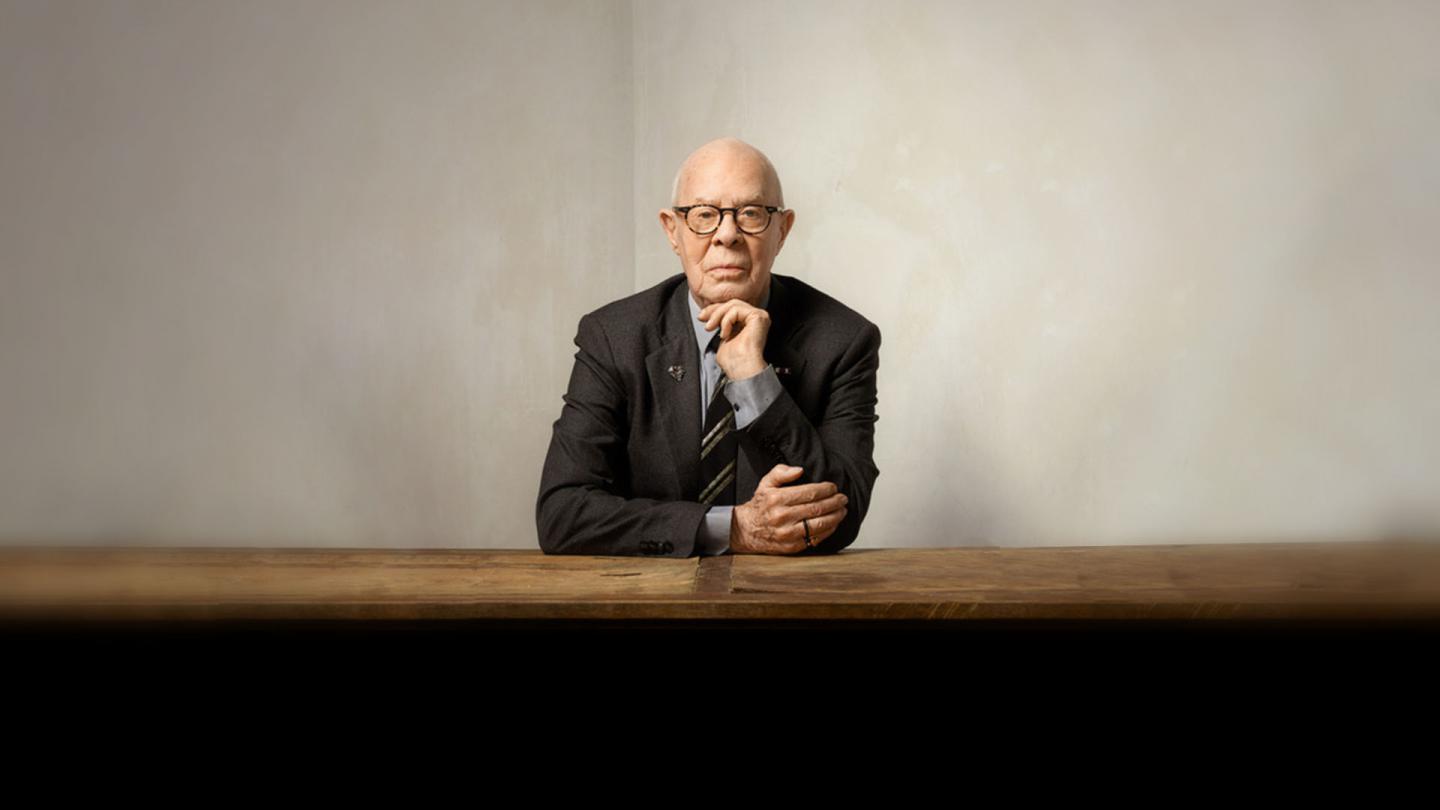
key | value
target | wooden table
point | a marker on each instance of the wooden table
(1393, 582)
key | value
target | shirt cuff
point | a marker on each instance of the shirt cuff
(714, 536)
(752, 395)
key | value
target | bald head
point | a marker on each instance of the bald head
(731, 152)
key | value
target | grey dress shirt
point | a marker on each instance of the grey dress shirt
(750, 396)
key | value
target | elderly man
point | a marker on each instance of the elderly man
(724, 409)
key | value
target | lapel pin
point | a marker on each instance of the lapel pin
(678, 372)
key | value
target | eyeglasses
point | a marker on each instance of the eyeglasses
(705, 219)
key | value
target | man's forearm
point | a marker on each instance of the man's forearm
(752, 395)
(581, 520)
(841, 449)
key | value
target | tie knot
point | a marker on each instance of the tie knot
(714, 344)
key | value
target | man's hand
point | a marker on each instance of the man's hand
(743, 329)
(770, 522)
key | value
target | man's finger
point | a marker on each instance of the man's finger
(711, 309)
(805, 493)
(812, 510)
(727, 324)
(823, 526)
(720, 310)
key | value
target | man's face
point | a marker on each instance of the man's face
(728, 263)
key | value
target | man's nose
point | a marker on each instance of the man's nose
(728, 234)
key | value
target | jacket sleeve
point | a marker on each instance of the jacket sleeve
(841, 449)
(578, 510)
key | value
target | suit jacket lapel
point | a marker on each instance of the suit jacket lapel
(678, 401)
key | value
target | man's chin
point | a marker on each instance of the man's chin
(720, 293)
(730, 289)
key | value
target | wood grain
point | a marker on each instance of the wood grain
(1233, 581)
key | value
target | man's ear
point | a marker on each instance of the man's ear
(786, 222)
(668, 222)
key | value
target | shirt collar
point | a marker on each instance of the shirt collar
(703, 335)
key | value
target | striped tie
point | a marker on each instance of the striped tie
(718, 447)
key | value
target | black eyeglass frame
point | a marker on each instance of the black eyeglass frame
(770, 212)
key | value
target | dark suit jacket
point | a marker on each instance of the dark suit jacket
(622, 476)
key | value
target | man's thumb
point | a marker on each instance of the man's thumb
(780, 473)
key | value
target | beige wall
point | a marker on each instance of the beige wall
(308, 273)
(300, 272)
(1145, 271)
